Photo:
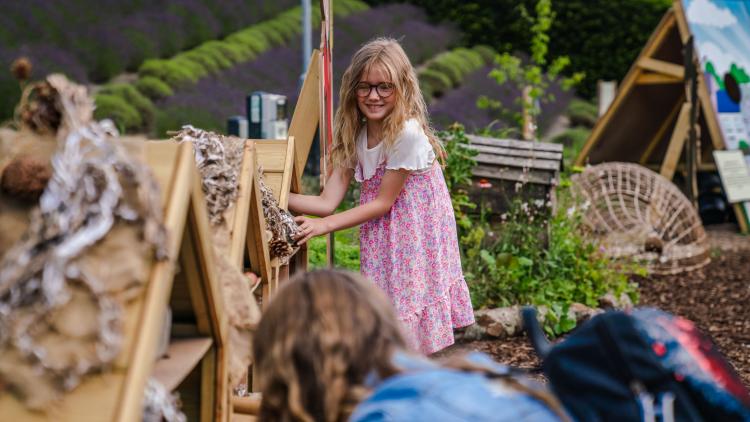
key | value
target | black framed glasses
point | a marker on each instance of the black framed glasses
(383, 89)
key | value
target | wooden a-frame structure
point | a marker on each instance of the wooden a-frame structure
(648, 121)
(195, 360)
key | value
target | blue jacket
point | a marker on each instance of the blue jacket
(428, 392)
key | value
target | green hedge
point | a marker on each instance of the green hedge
(448, 69)
(601, 37)
(153, 88)
(582, 113)
(117, 108)
(213, 56)
(118, 101)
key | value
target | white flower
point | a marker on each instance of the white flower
(571, 211)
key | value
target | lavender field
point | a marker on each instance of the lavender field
(459, 105)
(93, 40)
(214, 98)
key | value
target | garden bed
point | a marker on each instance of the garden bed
(714, 297)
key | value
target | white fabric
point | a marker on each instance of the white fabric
(411, 151)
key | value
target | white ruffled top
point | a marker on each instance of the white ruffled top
(411, 151)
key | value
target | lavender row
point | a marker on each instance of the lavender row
(106, 37)
(278, 70)
(459, 105)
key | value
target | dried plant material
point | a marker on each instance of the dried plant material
(280, 223)
(21, 68)
(218, 159)
(25, 178)
(59, 314)
(638, 214)
(39, 110)
(159, 405)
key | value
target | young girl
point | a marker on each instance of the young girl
(408, 240)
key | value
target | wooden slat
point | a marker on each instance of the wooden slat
(550, 165)
(657, 79)
(247, 405)
(676, 142)
(182, 356)
(157, 293)
(514, 174)
(515, 152)
(512, 143)
(662, 130)
(304, 121)
(242, 206)
(271, 154)
(257, 245)
(286, 178)
(662, 67)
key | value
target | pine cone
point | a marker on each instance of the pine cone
(21, 68)
(40, 112)
(25, 178)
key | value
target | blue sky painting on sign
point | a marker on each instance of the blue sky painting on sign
(722, 39)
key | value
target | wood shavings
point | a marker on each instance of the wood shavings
(218, 159)
(280, 223)
(59, 317)
(159, 405)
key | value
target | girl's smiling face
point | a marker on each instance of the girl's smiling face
(374, 105)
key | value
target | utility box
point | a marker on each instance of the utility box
(508, 169)
(267, 115)
(237, 126)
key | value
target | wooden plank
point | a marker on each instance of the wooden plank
(515, 152)
(182, 356)
(242, 206)
(550, 165)
(306, 115)
(247, 405)
(682, 24)
(160, 282)
(512, 143)
(657, 79)
(652, 144)
(514, 174)
(666, 25)
(676, 143)
(663, 67)
(287, 175)
(209, 410)
(257, 245)
(271, 154)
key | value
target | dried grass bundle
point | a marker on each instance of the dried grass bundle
(280, 223)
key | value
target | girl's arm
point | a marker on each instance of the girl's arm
(390, 187)
(324, 204)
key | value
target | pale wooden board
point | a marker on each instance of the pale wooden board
(241, 214)
(513, 143)
(306, 115)
(182, 356)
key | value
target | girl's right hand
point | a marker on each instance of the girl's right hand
(311, 227)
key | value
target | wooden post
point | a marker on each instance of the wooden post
(676, 142)
(529, 121)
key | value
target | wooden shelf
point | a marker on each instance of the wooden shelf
(182, 357)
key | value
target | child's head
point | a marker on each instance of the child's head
(380, 84)
(322, 334)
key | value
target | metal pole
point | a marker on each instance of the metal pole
(306, 38)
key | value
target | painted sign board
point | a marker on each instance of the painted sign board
(722, 40)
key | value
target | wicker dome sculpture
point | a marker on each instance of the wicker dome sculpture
(638, 214)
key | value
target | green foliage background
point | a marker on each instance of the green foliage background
(601, 37)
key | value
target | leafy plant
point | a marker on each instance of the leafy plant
(536, 76)
(458, 166)
(542, 258)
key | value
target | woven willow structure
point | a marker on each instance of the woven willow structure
(636, 213)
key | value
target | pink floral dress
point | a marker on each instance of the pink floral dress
(412, 254)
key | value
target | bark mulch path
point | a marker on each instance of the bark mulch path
(715, 297)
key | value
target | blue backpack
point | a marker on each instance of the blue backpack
(645, 365)
(428, 392)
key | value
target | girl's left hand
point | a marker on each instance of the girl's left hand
(310, 227)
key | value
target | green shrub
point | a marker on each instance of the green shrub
(582, 113)
(573, 140)
(471, 58)
(114, 107)
(448, 69)
(153, 88)
(346, 251)
(438, 82)
(487, 53)
(134, 98)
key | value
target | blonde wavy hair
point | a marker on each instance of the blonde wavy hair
(408, 104)
(322, 334)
